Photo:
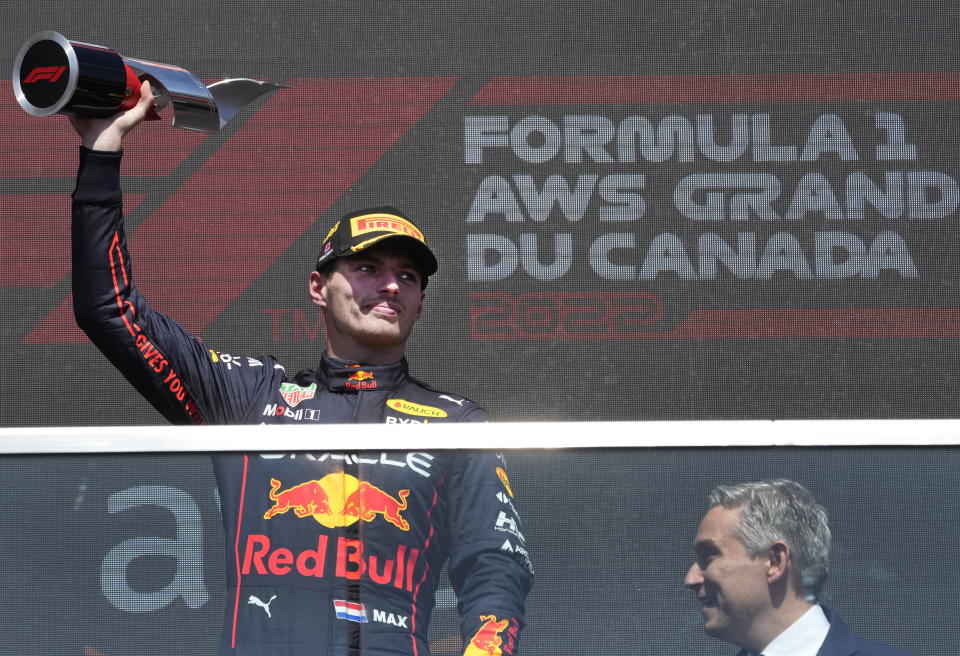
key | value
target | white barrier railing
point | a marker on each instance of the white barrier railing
(509, 435)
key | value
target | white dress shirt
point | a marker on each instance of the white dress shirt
(802, 638)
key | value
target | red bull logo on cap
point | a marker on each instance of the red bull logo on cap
(338, 500)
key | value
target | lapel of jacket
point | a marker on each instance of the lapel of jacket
(840, 640)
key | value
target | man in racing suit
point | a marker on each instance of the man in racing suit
(331, 553)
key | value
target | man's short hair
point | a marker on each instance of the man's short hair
(781, 510)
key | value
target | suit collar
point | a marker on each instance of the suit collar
(343, 376)
(840, 640)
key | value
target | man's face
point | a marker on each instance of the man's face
(370, 300)
(731, 586)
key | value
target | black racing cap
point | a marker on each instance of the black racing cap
(362, 229)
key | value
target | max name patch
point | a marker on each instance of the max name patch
(415, 409)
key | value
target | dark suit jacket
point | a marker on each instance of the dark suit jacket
(841, 641)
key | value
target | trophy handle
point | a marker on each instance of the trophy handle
(193, 105)
(234, 94)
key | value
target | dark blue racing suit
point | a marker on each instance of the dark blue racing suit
(327, 553)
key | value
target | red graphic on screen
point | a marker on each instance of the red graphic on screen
(293, 173)
(248, 202)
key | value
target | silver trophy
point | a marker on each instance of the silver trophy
(53, 75)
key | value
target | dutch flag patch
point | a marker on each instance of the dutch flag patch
(348, 610)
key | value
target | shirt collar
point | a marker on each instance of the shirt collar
(802, 638)
(341, 375)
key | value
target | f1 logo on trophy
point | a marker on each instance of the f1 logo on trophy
(53, 75)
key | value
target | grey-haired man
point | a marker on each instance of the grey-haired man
(762, 555)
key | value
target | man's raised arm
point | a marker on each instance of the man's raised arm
(172, 369)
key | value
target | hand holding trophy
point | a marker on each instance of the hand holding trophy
(53, 75)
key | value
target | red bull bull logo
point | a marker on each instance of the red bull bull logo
(368, 501)
(338, 500)
(360, 375)
(487, 641)
(360, 379)
(305, 500)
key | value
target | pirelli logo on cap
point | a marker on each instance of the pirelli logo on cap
(360, 225)
(415, 409)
